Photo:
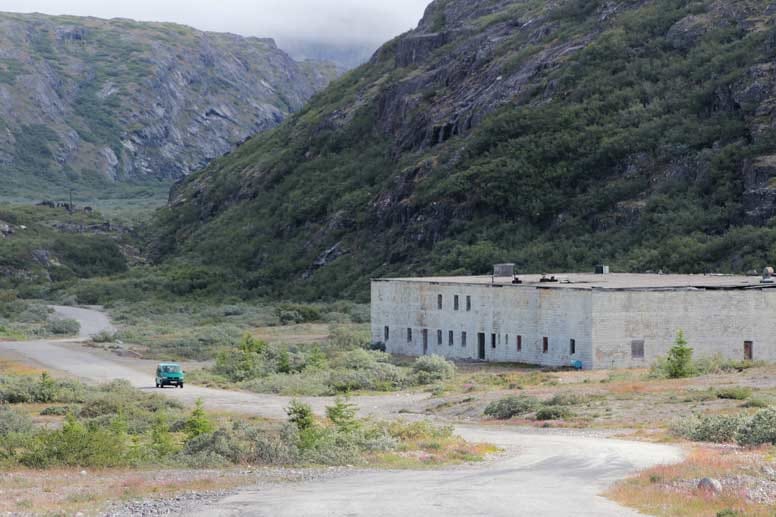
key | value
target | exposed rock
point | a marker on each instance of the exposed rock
(710, 485)
(159, 101)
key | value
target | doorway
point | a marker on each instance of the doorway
(425, 341)
(481, 347)
(748, 350)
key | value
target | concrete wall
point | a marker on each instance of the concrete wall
(714, 322)
(507, 312)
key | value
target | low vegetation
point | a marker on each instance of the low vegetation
(115, 425)
(342, 364)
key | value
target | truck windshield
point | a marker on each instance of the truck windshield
(171, 369)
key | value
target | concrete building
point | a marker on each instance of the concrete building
(599, 320)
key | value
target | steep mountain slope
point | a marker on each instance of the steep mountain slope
(556, 133)
(90, 100)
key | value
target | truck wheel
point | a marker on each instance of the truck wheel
(180, 385)
(157, 385)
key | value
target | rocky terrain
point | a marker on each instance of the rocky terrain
(91, 101)
(557, 134)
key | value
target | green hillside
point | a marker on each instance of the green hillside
(556, 135)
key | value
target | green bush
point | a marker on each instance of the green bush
(710, 428)
(511, 406)
(734, 393)
(679, 360)
(198, 422)
(432, 368)
(759, 430)
(64, 327)
(566, 399)
(553, 413)
(13, 422)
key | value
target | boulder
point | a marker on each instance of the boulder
(710, 485)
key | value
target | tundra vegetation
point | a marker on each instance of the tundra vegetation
(115, 425)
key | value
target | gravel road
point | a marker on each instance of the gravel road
(542, 472)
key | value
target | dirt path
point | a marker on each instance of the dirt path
(542, 473)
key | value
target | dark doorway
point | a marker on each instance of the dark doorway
(425, 341)
(481, 343)
(748, 350)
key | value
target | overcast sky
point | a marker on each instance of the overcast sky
(339, 22)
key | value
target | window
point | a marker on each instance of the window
(455, 302)
(519, 341)
(545, 344)
(637, 349)
(409, 335)
(572, 346)
(463, 338)
(451, 338)
(748, 350)
(387, 333)
(506, 339)
(439, 337)
(439, 302)
(493, 340)
(468, 304)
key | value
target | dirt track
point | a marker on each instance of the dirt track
(541, 473)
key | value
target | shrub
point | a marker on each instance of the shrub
(198, 423)
(343, 415)
(432, 368)
(734, 393)
(300, 415)
(756, 403)
(566, 399)
(678, 363)
(511, 406)
(56, 411)
(13, 422)
(104, 337)
(759, 430)
(553, 413)
(711, 428)
(64, 327)
(213, 449)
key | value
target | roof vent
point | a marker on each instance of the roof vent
(602, 269)
(767, 276)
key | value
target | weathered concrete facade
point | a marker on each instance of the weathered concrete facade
(602, 321)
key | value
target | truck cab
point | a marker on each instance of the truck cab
(169, 374)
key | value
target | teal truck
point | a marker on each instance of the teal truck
(169, 374)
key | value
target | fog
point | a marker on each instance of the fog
(293, 23)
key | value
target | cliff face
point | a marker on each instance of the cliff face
(556, 134)
(83, 99)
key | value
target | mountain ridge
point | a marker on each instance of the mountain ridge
(88, 100)
(554, 134)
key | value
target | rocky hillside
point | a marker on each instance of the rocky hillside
(553, 133)
(89, 100)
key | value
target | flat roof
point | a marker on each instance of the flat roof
(614, 281)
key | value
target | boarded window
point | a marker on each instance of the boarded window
(409, 335)
(493, 340)
(439, 302)
(545, 345)
(468, 303)
(439, 337)
(387, 333)
(451, 338)
(637, 349)
(572, 346)
(463, 338)
(519, 343)
(455, 302)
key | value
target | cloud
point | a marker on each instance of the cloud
(336, 22)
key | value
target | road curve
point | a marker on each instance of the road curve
(542, 472)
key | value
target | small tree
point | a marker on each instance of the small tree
(343, 415)
(679, 360)
(198, 423)
(301, 415)
(162, 441)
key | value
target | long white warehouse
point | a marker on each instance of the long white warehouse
(588, 320)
